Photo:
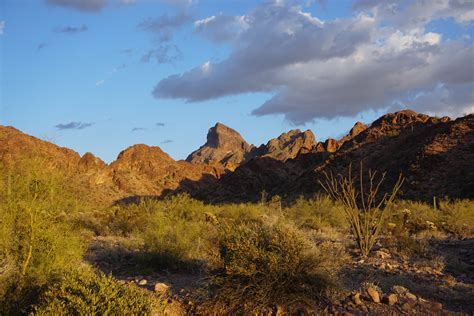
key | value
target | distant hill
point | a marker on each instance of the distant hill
(435, 155)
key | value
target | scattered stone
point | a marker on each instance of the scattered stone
(410, 296)
(356, 299)
(142, 282)
(373, 294)
(161, 288)
(391, 299)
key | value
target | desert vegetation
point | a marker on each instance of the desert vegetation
(60, 254)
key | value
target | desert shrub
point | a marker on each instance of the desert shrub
(453, 217)
(365, 206)
(37, 243)
(243, 212)
(457, 217)
(268, 265)
(176, 243)
(316, 213)
(86, 292)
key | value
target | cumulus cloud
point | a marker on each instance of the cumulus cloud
(73, 125)
(72, 29)
(80, 5)
(416, 13)
(328, 69)
(221, 28)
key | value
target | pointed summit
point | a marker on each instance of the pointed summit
(224, 145)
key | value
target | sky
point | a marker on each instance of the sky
(101, 75)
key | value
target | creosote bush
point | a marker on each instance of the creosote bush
(365, 206)
(86, 292)
(36, 243)
(263, 266)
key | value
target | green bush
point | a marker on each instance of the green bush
(452, 217)
(176, 243)
(37, 244)
(317, 213)
(263, 266)
(89, 293)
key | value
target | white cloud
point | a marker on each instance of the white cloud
(99, 82)
(326, 69)
(2, 27)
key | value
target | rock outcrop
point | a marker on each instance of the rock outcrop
(225, 146)
(289, 145)
(434, 155)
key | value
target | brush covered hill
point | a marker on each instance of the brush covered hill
(434, 155)
(139, 170)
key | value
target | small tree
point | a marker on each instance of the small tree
(364, 205)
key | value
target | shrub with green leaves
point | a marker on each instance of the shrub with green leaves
(264, 266)
(317, 213)
(89, 293)
(37, 244)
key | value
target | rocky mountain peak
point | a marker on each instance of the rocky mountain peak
(288, 145)
(223, 137)
(88, 161)
(224, 145)
(358, 128)
(141, 157)
(400, 118)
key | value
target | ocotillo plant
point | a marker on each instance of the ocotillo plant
(364, 205)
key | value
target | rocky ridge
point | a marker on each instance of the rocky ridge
(434, 154)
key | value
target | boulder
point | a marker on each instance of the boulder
(161, 288)
(373, 294)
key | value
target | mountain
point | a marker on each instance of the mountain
(225, 146)
(433, 154)
(289, 145)
(139, 170)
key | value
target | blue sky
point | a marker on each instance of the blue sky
(75, 72)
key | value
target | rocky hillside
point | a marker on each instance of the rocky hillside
(227, 147)
(140, 170)
(434, 155)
